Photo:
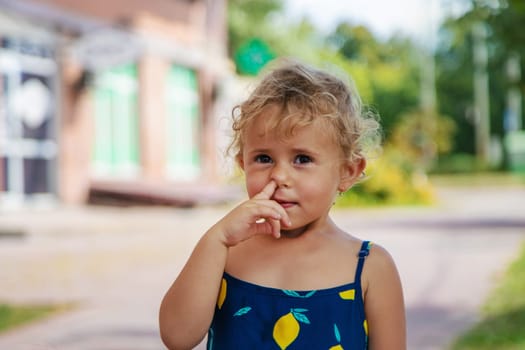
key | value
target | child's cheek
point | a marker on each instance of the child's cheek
(254, 184)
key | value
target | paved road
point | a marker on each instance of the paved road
(115, 265)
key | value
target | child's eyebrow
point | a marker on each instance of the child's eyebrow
(305, 150)
(295, 150)
(259, 150)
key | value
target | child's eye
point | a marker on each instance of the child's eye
(302, 159)
(263, 158)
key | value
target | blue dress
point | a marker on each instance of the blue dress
(249, 316)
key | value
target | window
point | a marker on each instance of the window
(116, 146)
(183, 129)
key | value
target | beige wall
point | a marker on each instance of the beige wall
(114, 11)
(152, 117)
(75, 137)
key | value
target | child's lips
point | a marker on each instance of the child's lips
(285, 204)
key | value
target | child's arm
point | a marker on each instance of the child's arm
(187, 309)
(384, 305)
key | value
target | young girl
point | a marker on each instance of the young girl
(276, 272)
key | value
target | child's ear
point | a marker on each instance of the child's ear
(350, 173)
(240, 161)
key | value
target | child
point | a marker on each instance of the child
(276, 272)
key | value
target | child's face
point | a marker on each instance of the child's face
(307, 166)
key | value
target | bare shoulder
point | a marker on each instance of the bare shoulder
(383, 291)
(379, 257)
(379, 268)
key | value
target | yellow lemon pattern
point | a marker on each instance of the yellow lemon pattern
(222, 293)
(250, 316)
(287, 327)
(347, 294)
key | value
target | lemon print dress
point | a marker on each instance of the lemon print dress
(249, 316)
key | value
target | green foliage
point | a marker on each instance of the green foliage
(391, 68)
(390, 180)
(503, 315)
(355, 42)
(16, 315)
(299, 40)
(249, 20)
(386, 74)
(421, 136)
(398, 177)
(455, 65)
(354, 72)
(503, 17)
(458, 163)
(454, 86)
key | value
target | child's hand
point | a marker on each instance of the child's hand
(258, 215)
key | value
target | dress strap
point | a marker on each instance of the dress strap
(363, 253)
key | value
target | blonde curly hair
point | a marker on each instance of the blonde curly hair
(305, 95)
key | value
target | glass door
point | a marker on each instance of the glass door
(28, 147)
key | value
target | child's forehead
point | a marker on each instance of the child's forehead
(284, 120)
(282, 127)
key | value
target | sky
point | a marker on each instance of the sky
(416, 18)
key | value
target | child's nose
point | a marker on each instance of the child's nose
(281, 175)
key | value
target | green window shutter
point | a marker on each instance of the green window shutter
(183, 110)
(116, 149)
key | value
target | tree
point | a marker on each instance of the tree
(391, 68)
(455, 65)
(249, 28)
(386, 73)
(505, 19)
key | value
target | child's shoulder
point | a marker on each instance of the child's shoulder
(379, 265)
(379, 257)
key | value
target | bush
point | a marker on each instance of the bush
(390, 180)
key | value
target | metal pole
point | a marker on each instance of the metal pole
(428, 78)
(481, 92)
(513, 113)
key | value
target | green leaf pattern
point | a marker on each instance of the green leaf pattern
(297, 313)
(295, 294)
(242, 311)
(337, 334)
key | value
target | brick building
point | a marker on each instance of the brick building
(109, 96)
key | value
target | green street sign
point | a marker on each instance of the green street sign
(251, 57)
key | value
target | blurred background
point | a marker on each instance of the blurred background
(130, 100)
(112, 104)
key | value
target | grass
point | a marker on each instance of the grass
(503, 324)
(479, 179)
(16, 315)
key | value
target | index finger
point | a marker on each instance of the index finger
(267, 191)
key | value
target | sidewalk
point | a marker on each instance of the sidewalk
(116, 264)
